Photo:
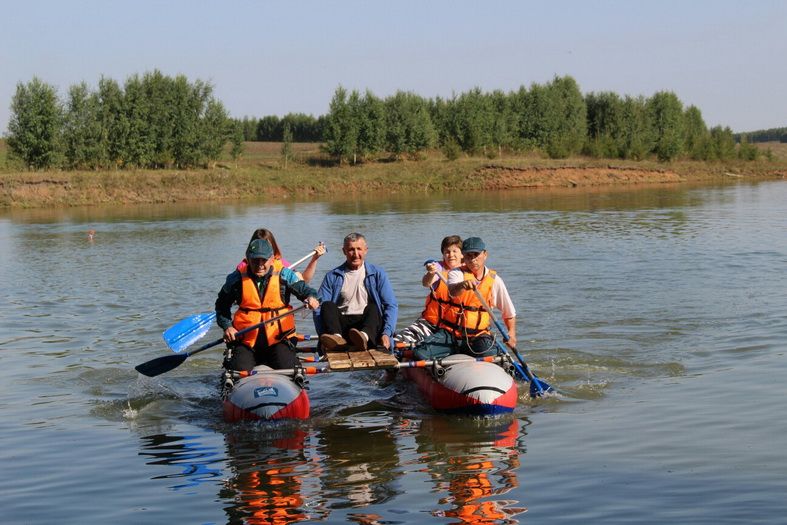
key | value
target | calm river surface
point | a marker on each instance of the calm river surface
(660, 313)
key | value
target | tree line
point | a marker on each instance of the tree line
(271, 128)
(764, 135)
(555, 118)
(151, 121)
(156, 121)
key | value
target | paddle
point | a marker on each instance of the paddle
(188, 331)
(166, 363)
(537, 386)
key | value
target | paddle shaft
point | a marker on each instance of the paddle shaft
(247, 329)
(311, 370)
(521, 367)
(166, 363)
(187, 331)
(500, 326)
(299, 261)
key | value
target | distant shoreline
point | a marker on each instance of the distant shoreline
(65, 189)
(260, 174)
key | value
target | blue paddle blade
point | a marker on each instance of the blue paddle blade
(545, 387)
(188, 331)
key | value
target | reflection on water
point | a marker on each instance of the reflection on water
(266, 486)
(472, 464)
(186, 452)
(659, 314)
(273, 473)
(360, 460)
(555, 199)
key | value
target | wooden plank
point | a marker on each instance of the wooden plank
(383, 359)
(338, 360)
(361, 360)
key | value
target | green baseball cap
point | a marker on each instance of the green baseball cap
(259, 249)
(473, 245)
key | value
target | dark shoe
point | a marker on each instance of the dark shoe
(331, 342)
(357, 339)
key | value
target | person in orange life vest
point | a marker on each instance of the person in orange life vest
(308, 273)
(262, 291)
(426, 325)
(470, 323)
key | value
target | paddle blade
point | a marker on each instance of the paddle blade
(545, 388)
(161, 365)
(188, 331)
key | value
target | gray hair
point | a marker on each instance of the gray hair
(353, 237)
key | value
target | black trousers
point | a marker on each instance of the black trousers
(335, 322)
(280, 355)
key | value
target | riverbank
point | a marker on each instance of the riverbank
(260, 174)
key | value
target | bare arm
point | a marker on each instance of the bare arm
(456, 289)
(308, 272)
(430, 276)
(511, 327)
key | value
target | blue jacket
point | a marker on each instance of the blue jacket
(378, 286)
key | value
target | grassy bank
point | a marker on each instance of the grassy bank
(260, 173)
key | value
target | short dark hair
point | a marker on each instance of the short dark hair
(451, 240)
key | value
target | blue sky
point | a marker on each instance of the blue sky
(725, 57)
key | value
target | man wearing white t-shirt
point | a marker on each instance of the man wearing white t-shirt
(358, 304)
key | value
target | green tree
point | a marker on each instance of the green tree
(371, 124)
(534, 119)
(113, 121)
(304, 127)
(567, 129)
(666, 118)
(604, 125)
(747, 150)
(409, 127)
(722, 143)
(186, 143)
(215, 131)
(268, 129)
(239, 130)
(503, 125)
(248, 127)
(166, 101)
(472, 121)
(34, 130)
(286, 146)
(636, 139)
(139, 146)
(341, 128)
(441, 117)
(84, 139)
(551, 117)
(696, 133)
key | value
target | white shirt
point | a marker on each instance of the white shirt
(354, 296)
(500, 298)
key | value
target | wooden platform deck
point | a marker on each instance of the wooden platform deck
(360, 360)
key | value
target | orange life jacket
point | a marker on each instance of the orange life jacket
(437, 300)
(465, 317)
(253, 309)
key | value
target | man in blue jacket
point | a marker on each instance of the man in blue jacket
(357, 302)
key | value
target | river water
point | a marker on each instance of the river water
(660, 314)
